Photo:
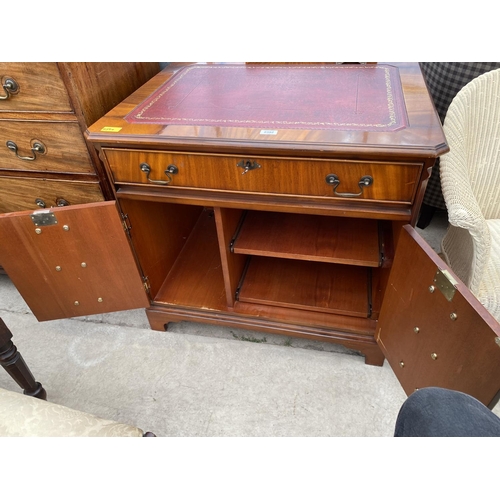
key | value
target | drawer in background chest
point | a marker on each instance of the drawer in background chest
(32, 87)
(43, 146)
(335, 179)
(17, 194)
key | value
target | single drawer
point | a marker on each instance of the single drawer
(43, 146)
(17, 194)
(335, 179)
(35, 87)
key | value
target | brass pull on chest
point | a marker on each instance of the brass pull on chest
(10, 87)
(37, 147)
(333, 180)
(169, 171)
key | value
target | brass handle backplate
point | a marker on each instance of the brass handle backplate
(36, 147)
(169, 171)
(333, 180)
(10, 87)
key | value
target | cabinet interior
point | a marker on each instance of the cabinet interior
(222, 259)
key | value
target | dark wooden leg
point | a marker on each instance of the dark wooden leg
(16, 367)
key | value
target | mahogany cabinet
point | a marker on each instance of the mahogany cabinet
(279, 198)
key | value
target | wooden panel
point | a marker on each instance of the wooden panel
(158, 232)
(18, 194)
(305, 285)
(227, 222)
(196, 278)
(286, 176)
(271, 202)
(466, 349)
(41, 88)
(99, 86)
(308, 237)
(66, 150)
(47, 268)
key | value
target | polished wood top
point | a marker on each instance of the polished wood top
(417, 133)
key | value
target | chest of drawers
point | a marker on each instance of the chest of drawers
(44, 110)
(274, 198)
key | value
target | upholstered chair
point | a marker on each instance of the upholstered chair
(26, 416)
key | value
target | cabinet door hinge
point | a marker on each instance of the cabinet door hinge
(126, 226)
(147, 286)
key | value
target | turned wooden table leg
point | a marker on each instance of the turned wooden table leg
(16, 367)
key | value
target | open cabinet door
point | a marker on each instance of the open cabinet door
(71, 261)
(432, 330)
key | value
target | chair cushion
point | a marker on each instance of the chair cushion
(489, 289)
(25, 416)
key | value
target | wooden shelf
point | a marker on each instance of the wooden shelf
(309, 237)
(313, 286)
(196, 278)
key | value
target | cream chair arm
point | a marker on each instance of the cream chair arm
(467, 258)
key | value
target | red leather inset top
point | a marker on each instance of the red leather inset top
(336, 97)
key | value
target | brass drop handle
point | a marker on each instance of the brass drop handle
(169, 171)
(37, 147)
(11, 87)
(333, 180)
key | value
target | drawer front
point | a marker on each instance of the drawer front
(35, 87)
(17, 194)
(63, 147)
(343, 180)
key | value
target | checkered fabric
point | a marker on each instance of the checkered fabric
(444, 80)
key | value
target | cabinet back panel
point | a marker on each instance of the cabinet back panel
(196, 278)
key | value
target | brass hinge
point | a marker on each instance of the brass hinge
(147, 286)
(446, 283)
(125, 224)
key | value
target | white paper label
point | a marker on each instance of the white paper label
(268, 132)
